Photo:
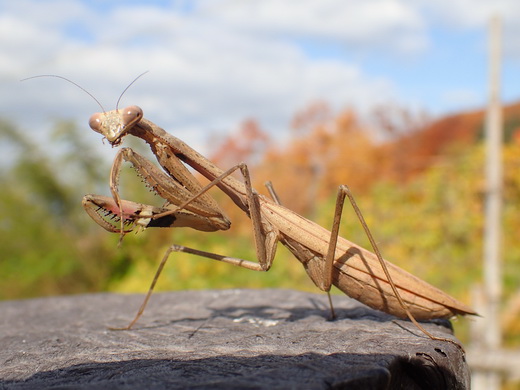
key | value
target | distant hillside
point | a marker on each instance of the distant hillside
(413, 152)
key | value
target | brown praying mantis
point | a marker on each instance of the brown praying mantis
(327, 258)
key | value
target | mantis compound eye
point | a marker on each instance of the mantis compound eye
(95, 122)
(131, 115)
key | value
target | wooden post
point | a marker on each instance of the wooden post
(491, 337)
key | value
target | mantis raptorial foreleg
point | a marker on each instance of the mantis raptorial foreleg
(175, 188)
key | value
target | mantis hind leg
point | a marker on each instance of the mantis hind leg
(327, 282)
(344, 191)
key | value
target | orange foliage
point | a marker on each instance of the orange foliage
(420, 147)
(413, 152)
(326, 150)
(319, 157)
(248, 144)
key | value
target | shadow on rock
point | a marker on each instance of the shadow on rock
(305, 371)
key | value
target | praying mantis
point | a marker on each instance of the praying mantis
(327, 258)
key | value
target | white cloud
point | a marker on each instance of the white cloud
(391, 24)
(206, 72)
(218, 63)
(467, 15)
(464, 14)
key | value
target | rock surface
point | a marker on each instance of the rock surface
(224, 339)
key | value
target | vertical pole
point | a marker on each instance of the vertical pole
(493, 202)
(493, 208)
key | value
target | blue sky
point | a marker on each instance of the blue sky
(214, 63)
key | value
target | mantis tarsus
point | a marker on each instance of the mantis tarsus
(328, 259)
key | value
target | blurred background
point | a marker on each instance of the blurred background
(386, 96)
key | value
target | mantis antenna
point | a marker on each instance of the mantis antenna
(84, 90)
(72, 82)
(126, 89)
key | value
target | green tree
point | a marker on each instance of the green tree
(47, 245)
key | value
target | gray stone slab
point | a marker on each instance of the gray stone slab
(216, 339)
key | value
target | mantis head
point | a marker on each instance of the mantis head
(114, 125)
